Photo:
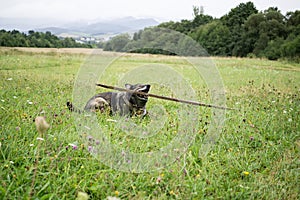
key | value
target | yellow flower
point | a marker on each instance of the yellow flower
(117, 193)
(172, 192)
(246, 173)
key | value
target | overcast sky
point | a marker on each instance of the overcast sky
(162, 10)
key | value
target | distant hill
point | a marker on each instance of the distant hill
(81, 28)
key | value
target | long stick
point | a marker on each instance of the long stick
(164, 98)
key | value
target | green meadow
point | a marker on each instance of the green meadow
(256, 155)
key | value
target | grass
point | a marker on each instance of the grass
(255, 157)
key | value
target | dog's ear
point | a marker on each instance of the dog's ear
(148, 86)
(128, 86)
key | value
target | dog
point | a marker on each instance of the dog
(121, 103)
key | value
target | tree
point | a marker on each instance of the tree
(234, 21)
(213, 37)
(117, 43)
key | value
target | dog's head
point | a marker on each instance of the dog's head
(138, 100)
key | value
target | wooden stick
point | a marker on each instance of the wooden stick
(164, 98)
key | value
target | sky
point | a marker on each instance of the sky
(161, 10)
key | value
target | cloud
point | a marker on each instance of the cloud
(93, 9)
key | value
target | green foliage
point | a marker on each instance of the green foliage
(187, 26)
(214, 37)
(36, 39)
(117, 43)
(273, 50)
(242, 32)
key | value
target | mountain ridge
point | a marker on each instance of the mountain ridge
(80, 28)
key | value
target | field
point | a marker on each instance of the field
(256, 155)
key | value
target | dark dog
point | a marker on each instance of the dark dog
(122, 103)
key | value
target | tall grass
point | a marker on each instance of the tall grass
(256, 156)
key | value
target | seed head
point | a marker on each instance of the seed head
(41, 124)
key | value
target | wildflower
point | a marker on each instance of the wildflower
(251, 138)
(11, 162)
(18, 128)
(90, 148)
(111, 120)
(74, 146)
(31, 145)
(117, 193)
(9, 79)
(171, 192)
(246, 173)
(112, 198)
(39, 138)
(158, 180)
(41, 124)
(97, 142)
(198, 176)
(14, 97)
(90, 138)
(29, 102)
(290, 120)
(123, 153)
(82, 196)
(82, 167)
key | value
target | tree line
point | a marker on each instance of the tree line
(16, 38)
(243, 32)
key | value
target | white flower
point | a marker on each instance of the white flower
(11, 162)
(29, 102)
(82, 196)
(111, 120)
(9, 79)
(31, 145)
(290, 120)
(14, 97)
(39, 138)
(112, 198)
